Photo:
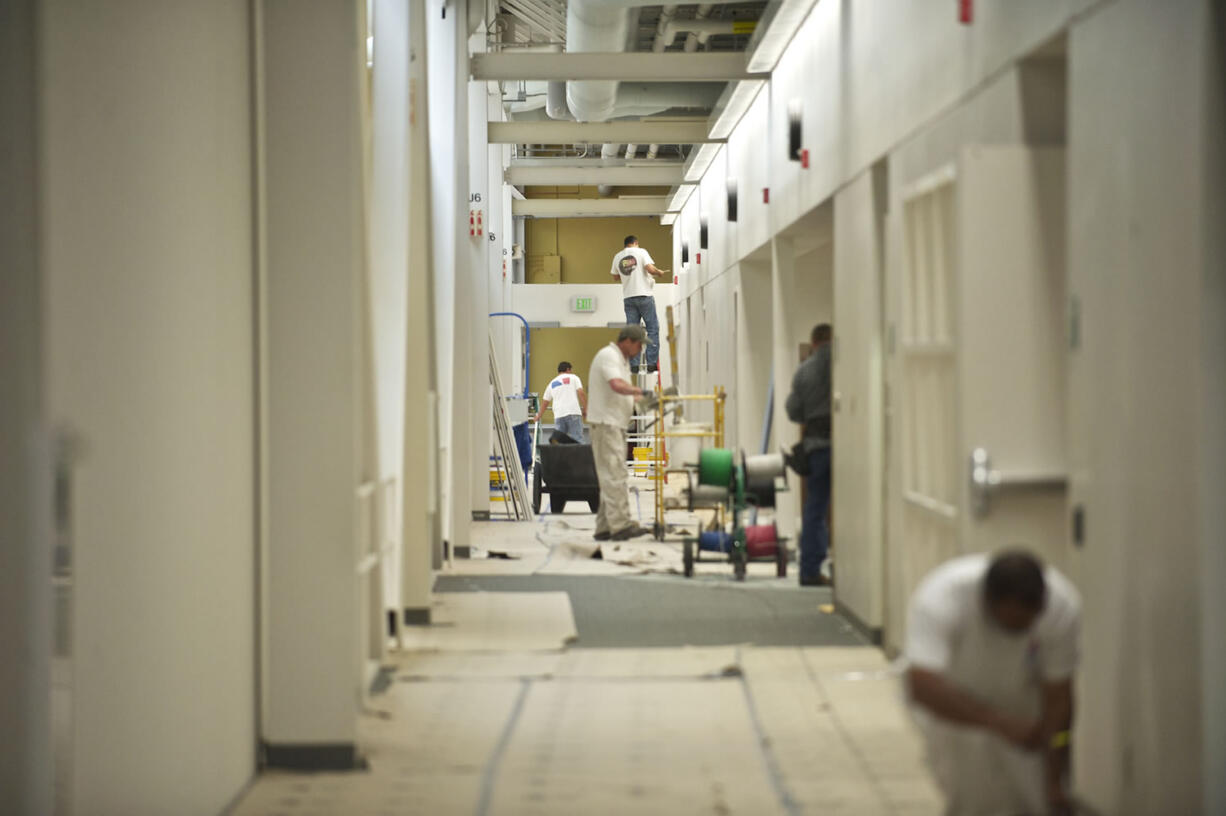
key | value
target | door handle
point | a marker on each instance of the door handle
(985, 481)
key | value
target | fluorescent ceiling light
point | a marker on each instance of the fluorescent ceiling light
(680, 197)
(699, 161)
(732, 105)
(775, 31)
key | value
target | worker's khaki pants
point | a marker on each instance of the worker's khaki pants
(979, 773)
(609, 450)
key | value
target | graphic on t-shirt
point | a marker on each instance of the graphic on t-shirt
(628, 264)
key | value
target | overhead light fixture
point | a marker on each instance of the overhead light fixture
(668, 219)
(732, 105)
(700, 160)
(677, 202)
(774, 33)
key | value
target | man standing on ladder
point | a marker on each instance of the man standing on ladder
(609, 408)
(637, 272)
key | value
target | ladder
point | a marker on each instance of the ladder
(519, 505)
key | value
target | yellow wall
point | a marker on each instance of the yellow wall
(587, 245)
(552, 346)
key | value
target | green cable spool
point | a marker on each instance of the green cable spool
(715, 467)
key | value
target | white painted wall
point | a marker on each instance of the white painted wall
(449, 198)
(147, 210)
(25, 476)
(1139, 152)
(857, 500)
(313, 246)
(482, 254)
(389, 246)
(911, 85)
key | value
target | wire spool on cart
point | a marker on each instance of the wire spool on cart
(762, 541)
(707, 496)
(714, 541)
(715, 467)
(760, 474)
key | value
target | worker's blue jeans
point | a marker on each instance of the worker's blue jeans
(644, 306)
(571, 425)
(814, 537)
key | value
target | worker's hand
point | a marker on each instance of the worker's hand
(1025, 734)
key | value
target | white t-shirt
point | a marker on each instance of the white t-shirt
(563, 392)
(604, 405)
(949, 631)
(631, 265)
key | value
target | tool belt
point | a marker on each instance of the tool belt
(818, 427)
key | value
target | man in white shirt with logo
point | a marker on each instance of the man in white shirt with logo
(991, 647)
(569, 402)
(637, 272)
(610, 405)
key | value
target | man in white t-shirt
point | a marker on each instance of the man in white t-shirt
(991, 647)
(609, 407)
(637, 272)
(569, 402)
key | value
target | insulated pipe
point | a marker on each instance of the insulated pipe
(691, 42)
(631, 149)
(663, 38)
(700, 31)
(596, 27)
(652, 150)
(602, 26)
(555, 101)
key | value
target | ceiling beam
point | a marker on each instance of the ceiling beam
(558, 132)
(632, 67)
(588, 207)
(565, 173)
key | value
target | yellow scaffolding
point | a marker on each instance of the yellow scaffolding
(660, 475)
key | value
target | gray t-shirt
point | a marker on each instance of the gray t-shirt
(809, 402)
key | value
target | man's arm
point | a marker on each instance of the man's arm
(544, 404)
(1055, 721)
(795, 402)
(656, 272)
(582, 400)
(944, 699)
(620, 386)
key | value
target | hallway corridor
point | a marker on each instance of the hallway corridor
(505, 707)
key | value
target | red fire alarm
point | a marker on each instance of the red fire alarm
(766, 195)
(966, 11)
(676, 279)
(697, 257)
(804, 158)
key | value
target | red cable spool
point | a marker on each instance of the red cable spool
(761, 540)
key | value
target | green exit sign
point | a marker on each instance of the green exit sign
(583, 304)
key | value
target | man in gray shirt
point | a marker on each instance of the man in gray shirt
(809, 405)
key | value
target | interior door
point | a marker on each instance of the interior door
(1012, 349)
(978, 367)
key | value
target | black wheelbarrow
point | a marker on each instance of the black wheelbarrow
(567, 473)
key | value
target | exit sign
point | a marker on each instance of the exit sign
(583, 304)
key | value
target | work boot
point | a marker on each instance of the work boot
(814, 580)
(602, 535)
(653, 368)
(634, 369)
(627, 533)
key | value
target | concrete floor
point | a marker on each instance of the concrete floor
(583, 687)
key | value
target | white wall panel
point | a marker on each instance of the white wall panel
(147, 241)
